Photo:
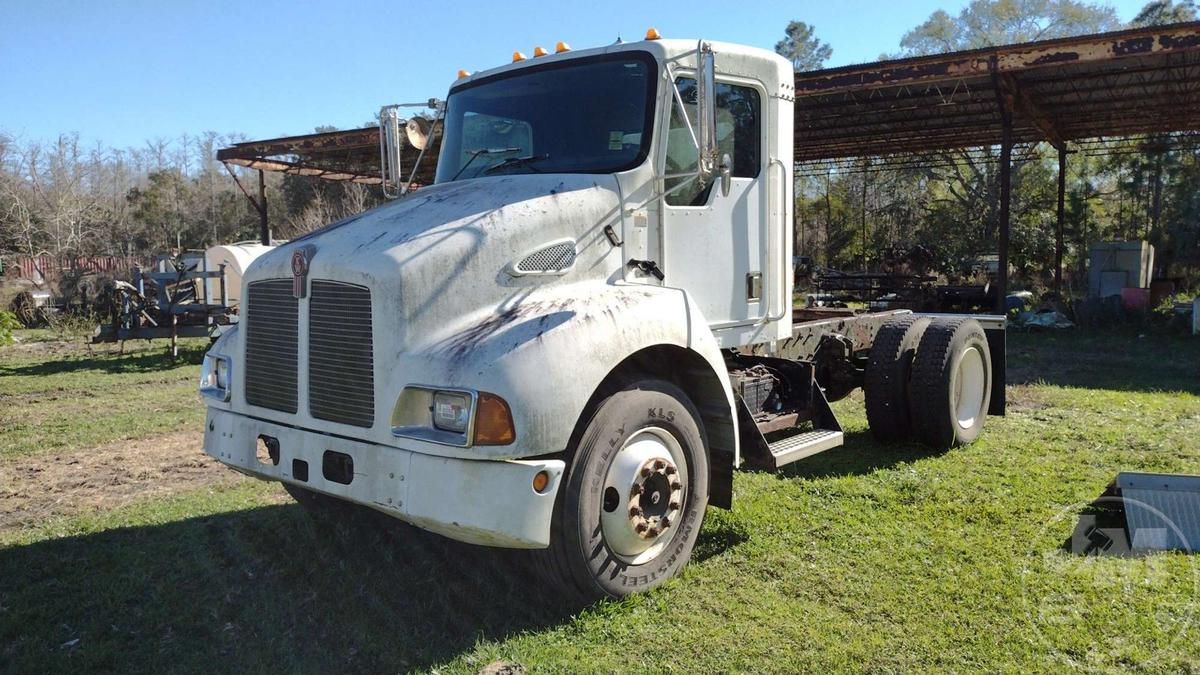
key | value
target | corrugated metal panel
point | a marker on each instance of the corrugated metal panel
(1162, 511)
(341, 367)
(271, 321)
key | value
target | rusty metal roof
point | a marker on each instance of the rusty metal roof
(350, 155)
(1106, 85)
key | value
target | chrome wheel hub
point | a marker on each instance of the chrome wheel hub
(655, 499)
(645, 489)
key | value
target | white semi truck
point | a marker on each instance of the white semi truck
(573, 337)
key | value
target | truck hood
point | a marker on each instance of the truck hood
(440, 258)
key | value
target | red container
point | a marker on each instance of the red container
(1135, 299)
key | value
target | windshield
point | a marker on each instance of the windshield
(590, 115)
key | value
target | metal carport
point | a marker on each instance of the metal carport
(1120, 84)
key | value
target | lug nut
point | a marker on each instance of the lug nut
(653, 532)
(637, 490)
(645, 471)
(640, 527)
(670, 470)
(635, 512)
(665, 522)
(674, 505)
(659, 464)
(675, 485)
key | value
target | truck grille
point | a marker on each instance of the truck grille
(271, 318)
(341, 368)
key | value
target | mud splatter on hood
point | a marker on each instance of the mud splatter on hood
(441, 253)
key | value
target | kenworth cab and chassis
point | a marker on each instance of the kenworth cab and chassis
(573, 337)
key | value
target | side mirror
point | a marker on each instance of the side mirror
(390, 144)
(725, 170)
(706, 111)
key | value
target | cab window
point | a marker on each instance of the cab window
(738, 135)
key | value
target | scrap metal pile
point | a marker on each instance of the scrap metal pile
(908, 279)
(180, 297)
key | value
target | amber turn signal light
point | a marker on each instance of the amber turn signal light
(493, 421)
(541, 480)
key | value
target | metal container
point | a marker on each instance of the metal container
(1115, 265)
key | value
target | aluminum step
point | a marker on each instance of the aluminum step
(804, 444)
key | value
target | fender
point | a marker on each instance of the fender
(516, 352)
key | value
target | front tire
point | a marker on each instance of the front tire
(635, 496)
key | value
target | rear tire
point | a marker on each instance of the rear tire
(886, 380)
(636, 490)
(951, 383)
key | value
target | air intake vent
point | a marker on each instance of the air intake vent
(341, 369)
(271, 319)
(549, 260)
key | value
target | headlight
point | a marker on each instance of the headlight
(460, 417)
(214, 377)
(222, 374)
(451, 411)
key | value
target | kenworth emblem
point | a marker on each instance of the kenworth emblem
(299, 273)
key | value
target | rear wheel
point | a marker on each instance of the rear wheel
(885, 382)
(951, 383)
(636, 491)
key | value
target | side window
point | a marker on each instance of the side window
(738, 135)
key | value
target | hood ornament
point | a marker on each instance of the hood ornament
(299, 273)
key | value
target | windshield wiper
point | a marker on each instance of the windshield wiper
(475, 154)
(527, 160)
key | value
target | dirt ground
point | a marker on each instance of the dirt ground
(35, 489)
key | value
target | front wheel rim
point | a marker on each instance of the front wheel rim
(645, 490)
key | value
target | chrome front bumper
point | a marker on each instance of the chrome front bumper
(492, 503)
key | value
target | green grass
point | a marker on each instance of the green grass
(64, 396)
(863, 558)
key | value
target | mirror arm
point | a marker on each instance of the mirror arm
(438, 116)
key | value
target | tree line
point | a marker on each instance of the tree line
(64, 199)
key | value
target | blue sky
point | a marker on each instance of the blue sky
(123, 72)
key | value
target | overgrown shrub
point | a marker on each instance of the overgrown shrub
(8, 323)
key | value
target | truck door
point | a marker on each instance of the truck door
(713, 246)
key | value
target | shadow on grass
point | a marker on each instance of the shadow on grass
(110, 362)
(859, 455)
(267, 589)
(1144, 358)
